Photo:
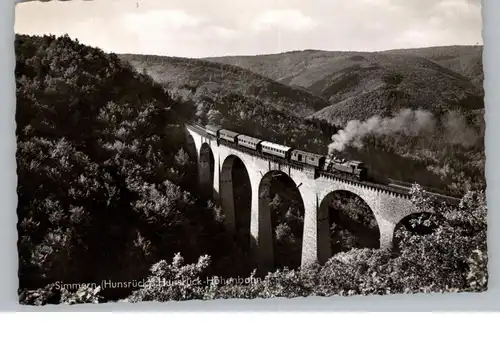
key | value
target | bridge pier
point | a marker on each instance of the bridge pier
(316, 246)
(386, 229)
(254, 221)
(324, 237)
(310, 244)
(216, 178)
(265, 245)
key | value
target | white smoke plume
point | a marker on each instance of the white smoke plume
(454, 129)
(409, 122)
(458, 132)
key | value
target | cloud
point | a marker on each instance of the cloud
(153, 21)
(156, 31)
(222, 32)
(199, 28)
(291, 19)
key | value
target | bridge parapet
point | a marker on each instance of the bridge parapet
(402, 193)
(396, 189)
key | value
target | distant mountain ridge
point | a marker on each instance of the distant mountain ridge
(362, 84)
(465, 60)
(442, 55)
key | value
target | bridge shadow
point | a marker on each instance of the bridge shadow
(191, 181)
(242, 196)
(190, 146)
(206, 170)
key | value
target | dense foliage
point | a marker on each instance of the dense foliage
(103, 178)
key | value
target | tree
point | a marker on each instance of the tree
(182, 158)
(174, 281)
(214, 117)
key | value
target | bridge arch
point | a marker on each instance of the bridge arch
(281, 221)
(236, 198)
(417, 218)
(345, 220)
(206, 165)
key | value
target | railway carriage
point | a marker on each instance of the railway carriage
(275, 149)
(328, 164)
(228, 135)
(301, 156)
(249, 142)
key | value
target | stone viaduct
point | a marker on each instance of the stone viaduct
(389, 204)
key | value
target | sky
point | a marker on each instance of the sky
(203, 28)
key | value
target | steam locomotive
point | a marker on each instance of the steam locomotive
(330, 164)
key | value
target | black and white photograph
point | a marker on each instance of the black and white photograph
(203, 150)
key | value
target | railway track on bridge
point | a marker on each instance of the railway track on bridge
(398, 187)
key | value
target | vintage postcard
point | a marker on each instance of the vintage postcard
(199, 150)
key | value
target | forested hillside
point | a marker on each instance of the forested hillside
(465, 60)
(445, 150)
(101, 171)
(241, 100)
(206, 78)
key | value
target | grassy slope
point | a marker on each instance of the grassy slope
(214, 79)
